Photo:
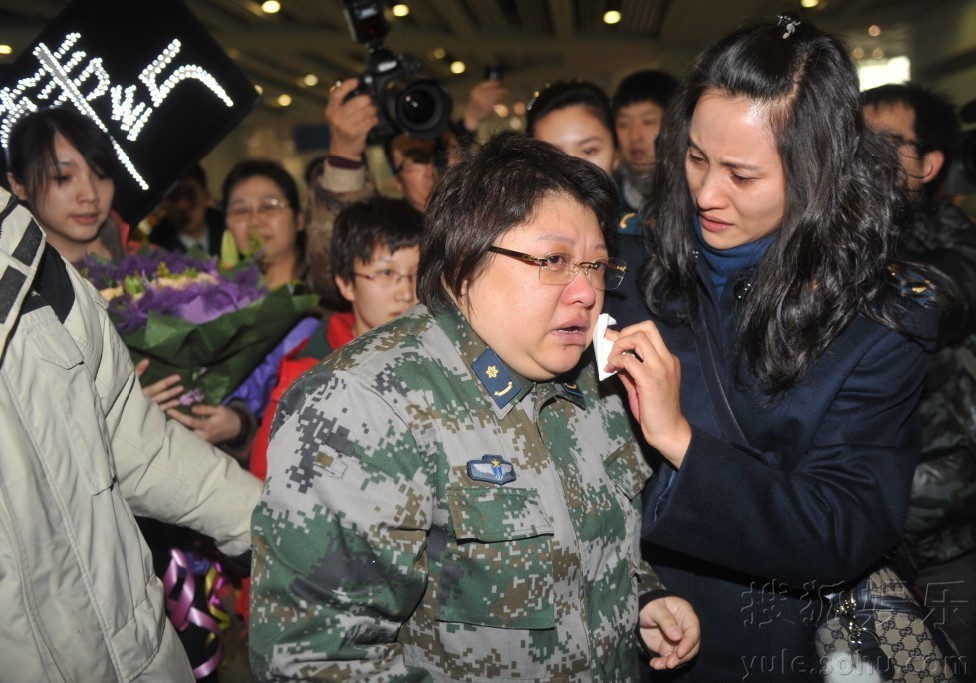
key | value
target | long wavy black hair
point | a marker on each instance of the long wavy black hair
(830, 259)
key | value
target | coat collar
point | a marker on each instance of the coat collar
(21, 247)
(501, 385)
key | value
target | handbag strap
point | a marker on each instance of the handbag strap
(713, 384)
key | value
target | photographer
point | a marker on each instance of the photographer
(343, 180)
(346, 179)
(940, 531)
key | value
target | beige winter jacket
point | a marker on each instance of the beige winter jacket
(81, 452)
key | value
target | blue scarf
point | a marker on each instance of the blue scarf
(724, 263)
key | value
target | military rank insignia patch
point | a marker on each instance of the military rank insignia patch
(491, 469)
(496, 378)
(628, 225)
(573, 390)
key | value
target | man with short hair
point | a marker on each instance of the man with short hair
(189, 219)
(638, 105)
(412, 161)
(638, 109)
(940, 536)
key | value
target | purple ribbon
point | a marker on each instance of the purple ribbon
(181, 611)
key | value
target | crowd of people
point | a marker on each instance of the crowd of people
(426, 478)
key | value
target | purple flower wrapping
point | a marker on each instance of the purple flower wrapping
(196, 302)
(211, 326)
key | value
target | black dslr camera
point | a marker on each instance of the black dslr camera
(418, 107)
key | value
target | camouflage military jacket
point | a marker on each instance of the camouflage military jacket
(431, 515)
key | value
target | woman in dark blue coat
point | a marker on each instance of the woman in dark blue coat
(779, 377)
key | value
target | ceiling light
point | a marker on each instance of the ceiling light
(400, 9)
(857, 53)
(612, 16)
(874, 30)
(439, 53)
(259, 89)
(271, 6)
(877, 53)
(809, 4)
(311, 80)
(6, 50)
(284, 100)
(458, 67)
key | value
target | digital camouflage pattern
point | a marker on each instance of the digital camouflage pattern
(386, 551)
(941, 522)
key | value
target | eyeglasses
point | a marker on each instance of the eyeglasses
(557, 269)
(388, 277)
(915, 146)
(266, 208)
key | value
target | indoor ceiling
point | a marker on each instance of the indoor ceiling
(534, 41)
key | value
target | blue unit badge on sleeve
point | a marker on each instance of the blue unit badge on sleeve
(491, 469)
(496, 378)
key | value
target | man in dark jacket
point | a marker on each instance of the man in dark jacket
(188, 219)
(638, 108)
(940, 532)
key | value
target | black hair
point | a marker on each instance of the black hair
(562, 94)
(495, 189)
(266, 168)
(363, 227)
(276, 173)
(936, 124)
(197, 173)
(30, 147)
(313, 169)
(194, 173)
(647, 85)
(830, 257)
(417, 153)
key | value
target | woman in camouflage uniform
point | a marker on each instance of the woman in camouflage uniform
(449, 496)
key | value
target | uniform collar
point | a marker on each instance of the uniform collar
(501, 385)
(21, 247)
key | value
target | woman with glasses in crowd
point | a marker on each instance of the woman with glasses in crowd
(263, 215)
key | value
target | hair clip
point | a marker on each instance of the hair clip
(789, 23)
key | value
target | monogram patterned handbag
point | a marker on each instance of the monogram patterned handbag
(872, 630)
(876, 630)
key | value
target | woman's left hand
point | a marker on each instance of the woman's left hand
(214, 424)
(652, 377)
(670, 627)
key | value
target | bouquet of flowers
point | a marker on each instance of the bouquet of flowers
(212, 325)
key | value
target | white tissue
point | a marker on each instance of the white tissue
(601, 345)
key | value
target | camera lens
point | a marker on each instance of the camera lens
(423, 109)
